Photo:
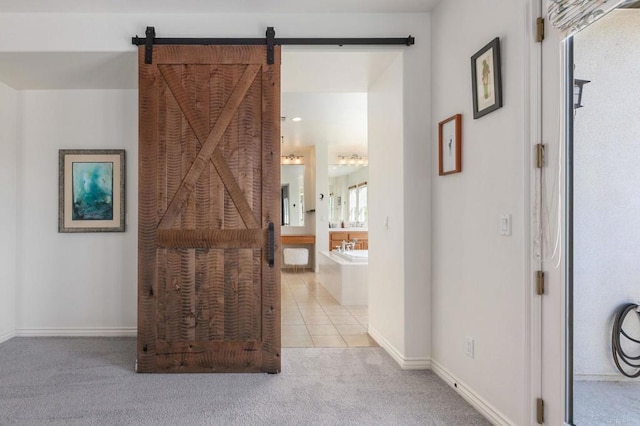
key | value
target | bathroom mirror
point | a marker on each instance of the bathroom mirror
(348, 195)
(292, 194)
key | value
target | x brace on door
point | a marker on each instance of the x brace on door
(209, 152)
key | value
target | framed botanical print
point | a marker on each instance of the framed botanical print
(486, 79)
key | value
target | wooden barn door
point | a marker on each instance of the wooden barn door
(209, 188)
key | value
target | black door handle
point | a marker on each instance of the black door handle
(271, 255)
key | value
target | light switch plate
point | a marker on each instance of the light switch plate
(469, 347)
(505, 225)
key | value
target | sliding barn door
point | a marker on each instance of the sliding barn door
(209, 211)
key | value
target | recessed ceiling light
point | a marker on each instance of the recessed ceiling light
(296, 119)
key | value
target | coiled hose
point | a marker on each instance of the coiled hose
(632, 362)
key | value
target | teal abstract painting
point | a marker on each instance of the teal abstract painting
(92, 191)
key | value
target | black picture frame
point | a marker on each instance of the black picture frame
(486, 79)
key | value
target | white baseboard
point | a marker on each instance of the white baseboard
(78, 332)
(602, 378)
(404, 362)
(7, 336)
(492, 414)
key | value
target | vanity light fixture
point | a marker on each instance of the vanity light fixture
(353, 160)
(296, 119)
(292, 159)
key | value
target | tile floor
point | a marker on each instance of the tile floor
(311, 317)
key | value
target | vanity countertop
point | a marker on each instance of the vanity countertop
(348, 229)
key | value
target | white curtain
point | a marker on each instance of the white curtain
(573, 15)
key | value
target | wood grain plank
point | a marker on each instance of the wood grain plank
(203, 202)
(173, 259)
(225, 360)
(254, 129)
(271, 213)
(187, 318)
(256, 323)
(216, 318)
(147, 215)
(188, 213)
(211, 238)
(217, 100)
(161, 315)
(161, 308)
(246, 295)
(203, 309)
(228, 155)
(209, 146)
(209, 55)
(166, 348)
(173, 148)
(231, 323)
(173, 311)
(248, 173)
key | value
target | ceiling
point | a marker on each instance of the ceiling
(326, 86)
(215, 6)
(338, 120)
(328, 90)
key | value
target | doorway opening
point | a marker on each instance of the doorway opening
(328, 135)
(603, 196)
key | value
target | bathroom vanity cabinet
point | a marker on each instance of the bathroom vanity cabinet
(336, 238)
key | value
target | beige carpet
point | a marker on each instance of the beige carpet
(90, 381)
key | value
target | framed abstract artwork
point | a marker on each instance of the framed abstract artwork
(486, 79)
(91, 190)
(450, 145)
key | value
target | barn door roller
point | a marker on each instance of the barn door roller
(270, 41)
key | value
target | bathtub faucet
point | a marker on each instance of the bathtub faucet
(349, 245)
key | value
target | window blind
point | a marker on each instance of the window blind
(573, 15)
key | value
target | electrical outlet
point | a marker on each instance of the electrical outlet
(468, 346)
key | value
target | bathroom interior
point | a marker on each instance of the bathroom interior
(324, 198)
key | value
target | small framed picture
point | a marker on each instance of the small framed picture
(450, 145)
(91, 194)
(486, 79)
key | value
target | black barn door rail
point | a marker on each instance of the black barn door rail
(150, 39)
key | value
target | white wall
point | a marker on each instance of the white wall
(386, 200)
(478, 276)
(68, 283)
(321, 189)
(112, 33)
(8, 208)
(607, 178)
